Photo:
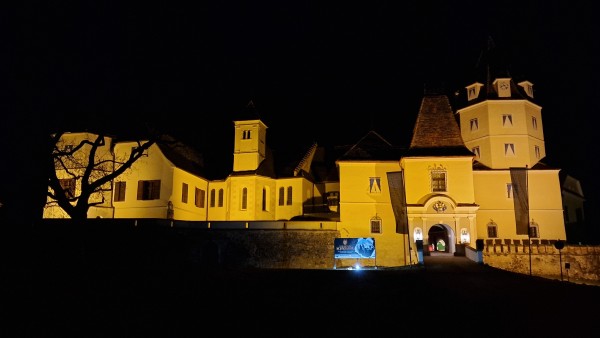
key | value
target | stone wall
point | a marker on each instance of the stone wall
(161, 245)
(579, 263)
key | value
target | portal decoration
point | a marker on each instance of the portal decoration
(439, 206)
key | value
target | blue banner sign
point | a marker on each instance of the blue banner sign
(354, 248)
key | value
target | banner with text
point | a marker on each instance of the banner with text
(354, 248)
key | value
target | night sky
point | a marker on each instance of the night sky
(316, 72)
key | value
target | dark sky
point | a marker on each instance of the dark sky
(316, 72)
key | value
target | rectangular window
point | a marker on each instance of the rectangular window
(474, 125)
(509, 149)
(120, 191)
(507, 120)
(509, 190)
(289, 195)
(534, 122)
(68, 185)
(492, 231)
(438, 181)
(148, 190)
(199, 197)
(184, 193)
(376, 226)
(374, 185)
(244, 198)
(220, 198)
(537, 152)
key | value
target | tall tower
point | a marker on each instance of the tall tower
(250, 140)
(500, 123)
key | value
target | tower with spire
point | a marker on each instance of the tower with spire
(499, 120)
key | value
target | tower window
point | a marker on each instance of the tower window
(474, 125)
(534, 122)
(475, 151)
(374, 184)
(509, 149)
(509, 190)
(507, 120)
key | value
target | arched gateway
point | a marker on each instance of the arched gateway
(442, 224)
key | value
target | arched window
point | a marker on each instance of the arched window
(281, 195)
(220, 198)
(289, 195)
(418, 234)
(492, 229)
(212, 198)
(464, 236)
(534, 230)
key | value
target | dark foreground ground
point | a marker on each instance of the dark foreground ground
(447, 296)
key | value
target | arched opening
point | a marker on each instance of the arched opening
(440, 239)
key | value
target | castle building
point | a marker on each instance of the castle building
(474, 173)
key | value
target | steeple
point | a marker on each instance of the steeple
(436, 132)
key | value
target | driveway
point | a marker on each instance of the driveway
(447, 296)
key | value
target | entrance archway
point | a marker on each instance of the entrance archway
(440, 238)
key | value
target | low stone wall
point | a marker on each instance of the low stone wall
(579, 263)
(161, 245)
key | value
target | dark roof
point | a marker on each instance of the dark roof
(372, 147)
(182, 156)
(249, 113)
(538, 166)
(492, 64)
(436, 131)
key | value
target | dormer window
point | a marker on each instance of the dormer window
(528, 87)
(473, 91)
(502, 87)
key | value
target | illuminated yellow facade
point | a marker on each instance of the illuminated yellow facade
(457, 182)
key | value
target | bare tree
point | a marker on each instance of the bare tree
(80, 175)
